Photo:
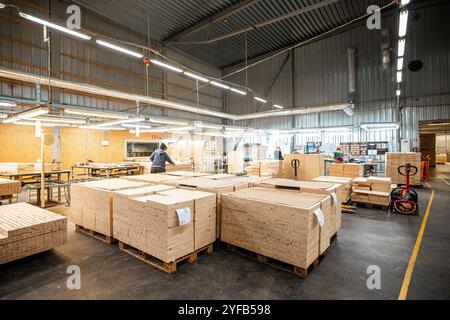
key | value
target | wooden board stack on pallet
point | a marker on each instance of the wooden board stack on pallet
(218, 187)
(266, 168)
(187, 174)
(9, 187)
(394, 160)
(441, 158)
(250, 180)
(26, 230)
(346, 170)
(254, 168)
(345, 191)
(311, 166)
(276, 224)
(153, 178)
(332, 222)
(179, 167)
(92, 206)
(151, 224)
(372, 191)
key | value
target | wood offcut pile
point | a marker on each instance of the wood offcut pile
(166, 226)
(26, 230)
(347, 170)
(345, 191)
(372, 190)
(9, 187)
(276, 224)
(398, 159)
(311, 166)
(91, 204)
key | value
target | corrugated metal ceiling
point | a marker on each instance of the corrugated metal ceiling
(166, 18)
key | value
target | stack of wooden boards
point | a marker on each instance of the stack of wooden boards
(278, 224)
(347, 170)
(164, 222)
(9, 187)
(24, 168)
(441, 158)
(26, 230)
(179, 167)
(372, 190)
(91, 203)
(266, 168)
(310, 166)
(345, 190)
(394, 160)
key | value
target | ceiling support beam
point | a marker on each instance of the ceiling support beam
(263, 24)
(241, 5)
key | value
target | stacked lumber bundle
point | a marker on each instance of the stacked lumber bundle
(250, 180)
(16, 168)
(152, 178)
(345, 191)
(26, 230)
(218, 187)
(92, 203)
(441, 158)
(221, 176)
(346, 170)
(271, 168)
(394, 160)
(179, 167)
(152, 223)
(372, 190)
(187, 174)
(253, 168)
(9, 187)
(278, 224)
(333, 222)
(311, 166)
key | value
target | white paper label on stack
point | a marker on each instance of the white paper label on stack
(184, 216)
(334, 196)
(320, 217)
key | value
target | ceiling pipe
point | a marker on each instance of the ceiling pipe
(87, 88)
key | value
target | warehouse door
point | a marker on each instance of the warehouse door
(434, 141)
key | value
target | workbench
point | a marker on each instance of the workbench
(53, 179)
(107, 170)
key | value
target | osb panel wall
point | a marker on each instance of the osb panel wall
(20, 145)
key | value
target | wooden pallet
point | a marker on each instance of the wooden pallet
(287, 267)
(96, 235)
(168, 267)
(371, 205)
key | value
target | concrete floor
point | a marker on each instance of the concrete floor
(370, 237)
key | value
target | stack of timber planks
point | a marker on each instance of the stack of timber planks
(179, 167)
(150, 223)
(26, 230)
(187, 174)
(333, 216)
(397, 159)
(92, 206)
(441, 158)
(153, 178)
(372, 190)
(9, 187)
(278, 224)
(345, 191)
(347, 170)
(311, 166)
(266, 168)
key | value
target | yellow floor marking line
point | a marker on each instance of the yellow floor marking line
(412, 260)
(445, 182)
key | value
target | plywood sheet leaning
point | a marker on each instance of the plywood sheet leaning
(394, 160)
(9, 187)
(333, 190)
(26, 230)
(91, 205)
(150, 223)
(345, 191)
(274, 223)
(311, 166)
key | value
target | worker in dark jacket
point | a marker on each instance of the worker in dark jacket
(159, 159)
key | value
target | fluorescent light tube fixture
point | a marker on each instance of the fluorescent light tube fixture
(401, 47)
(55, 26)
(10, 120)
(32, 113)
(220, 85)
(167, 66)
(399, 64)
(120, 49)
(118, 122)
(399, 76)
(260, 100)
(59, 120)
(403, 23)
(196, 77)
(2, 6)
(3, 116)
(405, 2)
(278, 106)
(239, 91)
(174, 122)
(398, 93)
(7, 104)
